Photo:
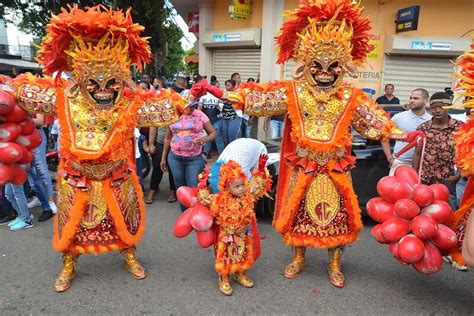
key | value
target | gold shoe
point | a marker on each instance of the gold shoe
(297, 265)
(224, 284)
(67, 274)
(132, 265)
(336, 277)
(243, 279)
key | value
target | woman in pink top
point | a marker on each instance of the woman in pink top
(185, 139)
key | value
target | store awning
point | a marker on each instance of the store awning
(20, 63)
(192, 59)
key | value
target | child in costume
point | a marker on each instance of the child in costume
(237, 242)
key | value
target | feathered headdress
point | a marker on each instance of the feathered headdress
(91, 26)
(223, 173)
(314, 22)
(465, 74)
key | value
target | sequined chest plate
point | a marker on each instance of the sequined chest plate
(320, 115)
(90, 128)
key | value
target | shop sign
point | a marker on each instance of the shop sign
(240, 9)
(222, 38)
(193, 22)
(419, 45)
(407, 19)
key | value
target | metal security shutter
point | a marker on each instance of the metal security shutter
(288, 68)
(245, 61)
(408, 73)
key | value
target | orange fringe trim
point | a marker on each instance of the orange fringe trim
(76, 213)
(351, 206)
(116, 214)
(96, 249)
(464, 138)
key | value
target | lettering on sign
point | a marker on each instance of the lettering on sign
(240, 9)
(418, 45)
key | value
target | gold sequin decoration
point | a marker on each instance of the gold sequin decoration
(65, 200)
(128, 203)
(319, 117)
(96, 209)
(38, 99)
(157, 113)
(268, 103)
(322, 200)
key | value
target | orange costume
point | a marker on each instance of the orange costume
(316, 205)
(465, 149)
(100, 203)
(237, 242)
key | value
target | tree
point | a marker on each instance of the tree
(191, 68)
(154, 15)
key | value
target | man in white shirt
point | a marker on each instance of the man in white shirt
(408, 121)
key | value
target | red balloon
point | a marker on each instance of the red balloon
(10, 153)
(411, 248)
(406, 209)
(407, 174)
(7, 102)
(26, 157)
(182, 226)
(423, 195)
(393, 189)
(20, 176)
(16, 115)
(30, 141)
(201, 219)
(440, 191)
(377, 234)
(395, 228)
(379, 209)
(187, 196)
(424, 227)
(393, 248)
(6, 173)
(206, 238)
(27, 126)
(446, 238)
(440, 211)
(431, 262)
(400, 260)
(9, 132)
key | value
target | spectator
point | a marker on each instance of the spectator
(210, 105)
(16, 195)
(188, 82)
(236, 77)
(250, 80)
(184, 139)
(231, 119)
(197, 78)
(388, 97)
(246, 126)
(38, 175)
(156, 145)
(158, 83)
(275, 124)
(408, 121)
(7, 212)
(438, 161)
(179, 84)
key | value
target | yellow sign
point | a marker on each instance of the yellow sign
(240, 10)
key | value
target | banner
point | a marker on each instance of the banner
(193, 22)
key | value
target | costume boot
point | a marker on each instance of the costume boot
(224, 284)
(132, 265)
(243, 279)
(334, 269)
(67, 274)
(297, 265)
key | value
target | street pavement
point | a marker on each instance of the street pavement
(181, 278)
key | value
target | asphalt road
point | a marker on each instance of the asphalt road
(181, 279)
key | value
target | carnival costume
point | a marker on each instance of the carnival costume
(316, 205)
(237, 241)
(100, 202)
(464, 139)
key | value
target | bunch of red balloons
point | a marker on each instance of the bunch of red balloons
(197, 217)
(18, 136)
(413, 220)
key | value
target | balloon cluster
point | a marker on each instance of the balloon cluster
(197, 217)
(18, 136)
(413, 220)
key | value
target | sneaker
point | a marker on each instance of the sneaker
(460, 267)
(34, 203)
(448, 259)
(53, 207)
(13, 222)
(7, 219)
(45, 216)
(21, 224)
